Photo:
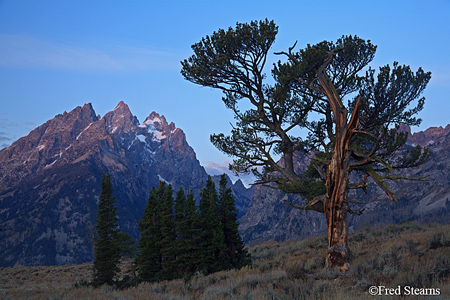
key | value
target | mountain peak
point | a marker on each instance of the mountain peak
(404, 128)
(122, 106)
(429, 136)
(156, 120)
(120, 119)
(50, 180)
(159, 123)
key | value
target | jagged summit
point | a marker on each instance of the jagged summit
(156, 120)
(50, 180)
(427, 137)
(42, 147)
(85, 110)
(159, 122)
(120, 119)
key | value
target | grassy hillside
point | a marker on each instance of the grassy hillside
(407, 257)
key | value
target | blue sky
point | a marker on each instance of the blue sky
(56, 55)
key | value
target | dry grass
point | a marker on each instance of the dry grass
(407, 255)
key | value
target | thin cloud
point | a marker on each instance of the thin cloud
(4, 137)
(11, 131)
(28, 123)
(5, 140)
(31, 52)
(213, 168)
(4, 123)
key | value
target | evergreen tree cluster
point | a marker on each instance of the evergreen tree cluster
(179, 238)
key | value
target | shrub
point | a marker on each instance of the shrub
(440, 239)
(280, 271)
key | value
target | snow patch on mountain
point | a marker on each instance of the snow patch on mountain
(162, 179)
(157, 126)
(141, 138)
(157, 135)
(50, 165)
(83, 131)
(153, 119)
(153, 130)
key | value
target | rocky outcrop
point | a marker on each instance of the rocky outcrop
(427, 137)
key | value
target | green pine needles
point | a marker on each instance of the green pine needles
(110, 243)
(179, 238)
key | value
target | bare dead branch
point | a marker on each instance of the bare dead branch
(316, 204)
(355, 186)
(356, 213)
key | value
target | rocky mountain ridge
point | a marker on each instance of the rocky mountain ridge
(426, 137)
(50, 180)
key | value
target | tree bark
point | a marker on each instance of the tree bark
(335, 204)
(336, 209)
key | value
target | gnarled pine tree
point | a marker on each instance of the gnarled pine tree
(310, 92)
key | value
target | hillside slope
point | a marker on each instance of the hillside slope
(411, 256)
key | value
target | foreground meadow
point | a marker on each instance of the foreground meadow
(410, 258)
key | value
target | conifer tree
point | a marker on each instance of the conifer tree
(235, 255)
(212, 239)
(149, 259)
(190, 255)
(180, 217)
(107, 243)
(181, 228)
(187, 231)
(168, 236)
(178, 238)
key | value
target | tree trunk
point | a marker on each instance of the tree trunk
(336, 209)
(335, 204)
